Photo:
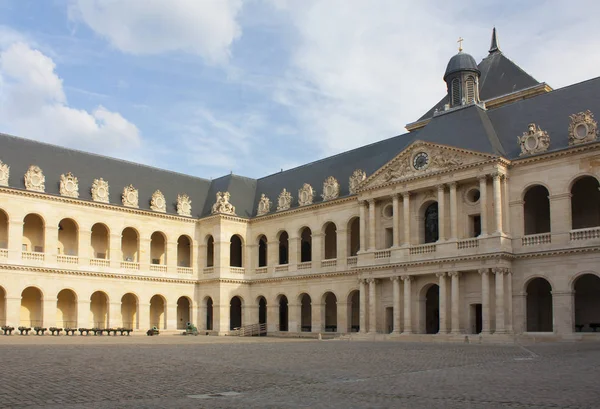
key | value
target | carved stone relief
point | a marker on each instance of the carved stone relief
(331, 188)
(222, 204)
(100, 190)
(357, 177)
(130, 196)
(583, 128)
(305, 195)
(264, 206)
(533, 141)
(184, 205)
(69, 185)
(284, 201)
(158, 202)
(4, 173)
(35, 179)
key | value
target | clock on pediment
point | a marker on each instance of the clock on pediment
(420, 160)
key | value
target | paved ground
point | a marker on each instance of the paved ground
(205, 372)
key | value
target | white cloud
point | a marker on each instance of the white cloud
(33, 104)
(207, 27)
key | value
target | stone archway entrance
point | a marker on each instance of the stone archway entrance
(283, 313)
(209, 314)
(305, 313)
(129, 311)
(330, 302)
(354, 311)
(587, 303)
(235, 313)
(99, 309)
(157, 312)
(31, 307)
(432, 310)
(183, 312)
(262, 310)
(66, 309)
(539, 306)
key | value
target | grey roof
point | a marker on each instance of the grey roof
(242, 190)
(461, 62)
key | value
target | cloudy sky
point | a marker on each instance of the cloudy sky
(206, 87)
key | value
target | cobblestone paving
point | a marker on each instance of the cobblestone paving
(178, 372)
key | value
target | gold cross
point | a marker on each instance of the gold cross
(460, 40)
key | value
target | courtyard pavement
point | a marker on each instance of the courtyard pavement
(172, 371)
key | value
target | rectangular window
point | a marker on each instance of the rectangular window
(474, 225)
(389, 237)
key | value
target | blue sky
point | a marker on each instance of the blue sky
(205, 87)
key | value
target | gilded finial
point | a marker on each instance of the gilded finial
(460, 40)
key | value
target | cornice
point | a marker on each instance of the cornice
(300, 209)
(223, 216)
(305, 277)
(547, 156)
(488, 256)
(559, 252)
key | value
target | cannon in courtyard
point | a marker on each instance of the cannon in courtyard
(152, 331)
(190, 329)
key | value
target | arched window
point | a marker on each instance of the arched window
(68, 237)
(539, 306)
(262, 251)
(284, 248)
(184, 251)
(431, 223)
(157, 248)
(470, 85)
(99, 241)
(330, 241)
(130, 245)
(354, 236)
(235, 251)
(3, 230)
(306, 245)
(587, 302)
(456, 97)
(210, 251)
(33, 233)
(536, 210)
(585, 203)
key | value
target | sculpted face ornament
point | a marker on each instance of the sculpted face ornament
(421, 161)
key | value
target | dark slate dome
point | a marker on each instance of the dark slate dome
(461, 62)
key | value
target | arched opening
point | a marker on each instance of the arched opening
(2, 306)
(284, 248)
(184, 251)
(306, 245)
(68, 237)
(587, 302)
(536, 210)
(129, 311)
(330, 301)
(3, 230)
(235, 251)
(66, 309)
(262, 310)
(99, 309)
(283, 313)
(456, 97)
(235, 313)
(157, 248)
(354, 311)
(33, 233)
(157, 312)
(430, 223)
(585, 203)
(470, 85)
(539, 306)
(184, 307)
(330, 241)
(354, 236)
(305, 313)
(262, 251)
(209, 314)
(210, 251)
(31, 307)
(432, 309)
(130, 245)
(99, 241)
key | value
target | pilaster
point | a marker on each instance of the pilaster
(362, 226)
(441, 213)
(407, 304)
(372, 305)
(443, 304)
(396, 308)
(485, 300)
(372, 245)
(483, 205)
(363, 305)
(453, 211)
(455, 275)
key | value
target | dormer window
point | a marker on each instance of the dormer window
(456, 97)
(470, 85)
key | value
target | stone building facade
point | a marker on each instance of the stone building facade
(483, 219)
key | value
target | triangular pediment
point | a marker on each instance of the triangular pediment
(421, 159)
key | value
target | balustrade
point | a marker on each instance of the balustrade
(423, 249)
(467, 244)
(383, 254)
(3, 253)
(352, 261)
(237, 270)
(33, 256)
(329, 263)
(536, 239)
(262, 270)
(130, 265)
(306, 265)
(99, 262)
(63, 259)
(159, 268)
(208, 270)
(585, 234)
(281, 268)
(184, 270)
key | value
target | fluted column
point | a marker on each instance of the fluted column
(455, 302)
(500, 328)
(396, 292)
(407, 304)
(441, 213)
(498, 202)
(509, 301)
(371, 224)
(485, 300)
(483, 204)
(362, 226)
(453, 212)
(363, 305)
(443, 307)
(406, 211)
(396, 226)
(372, 305)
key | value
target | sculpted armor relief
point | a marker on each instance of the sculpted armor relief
(100, 190)
(583, 128)
(331, 189)
(222, 204)
(356, 179)
(4, 173)
(264, 206)
(533, 141)
(35, 179)
(284, 201)
(305, 195)
(69, 185)
(130, 196)
(158, 202)
(184, 205)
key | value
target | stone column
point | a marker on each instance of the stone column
(50, 242)
(406, 211)
(362, 226)
(293, 315)
(115, 319)
(499, 272)
(372, 225)
(407, 304)
(272, 317)
(498, 202)
(144, 253)
(84, 250)
(485, 300)
(144, 315)
(341, 237)
(201, 317)
(318, 248)
(197, 257)
(83, 313)
(317, 316)
(293, 252)
(562, 305)
(250, 314)
(483, 204)
(505, 204)
(171, 315)
(13, 311)
(509, 301)
(273, 254)
(372, 305)
(441, 213)
(363, 305)
(453, 212)
(396, 291)
(443, 306)
(396, 226)
(171, 255)
(48, 312)
(15, 241)
(342, 317)
(455, 302)
(115, 253)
